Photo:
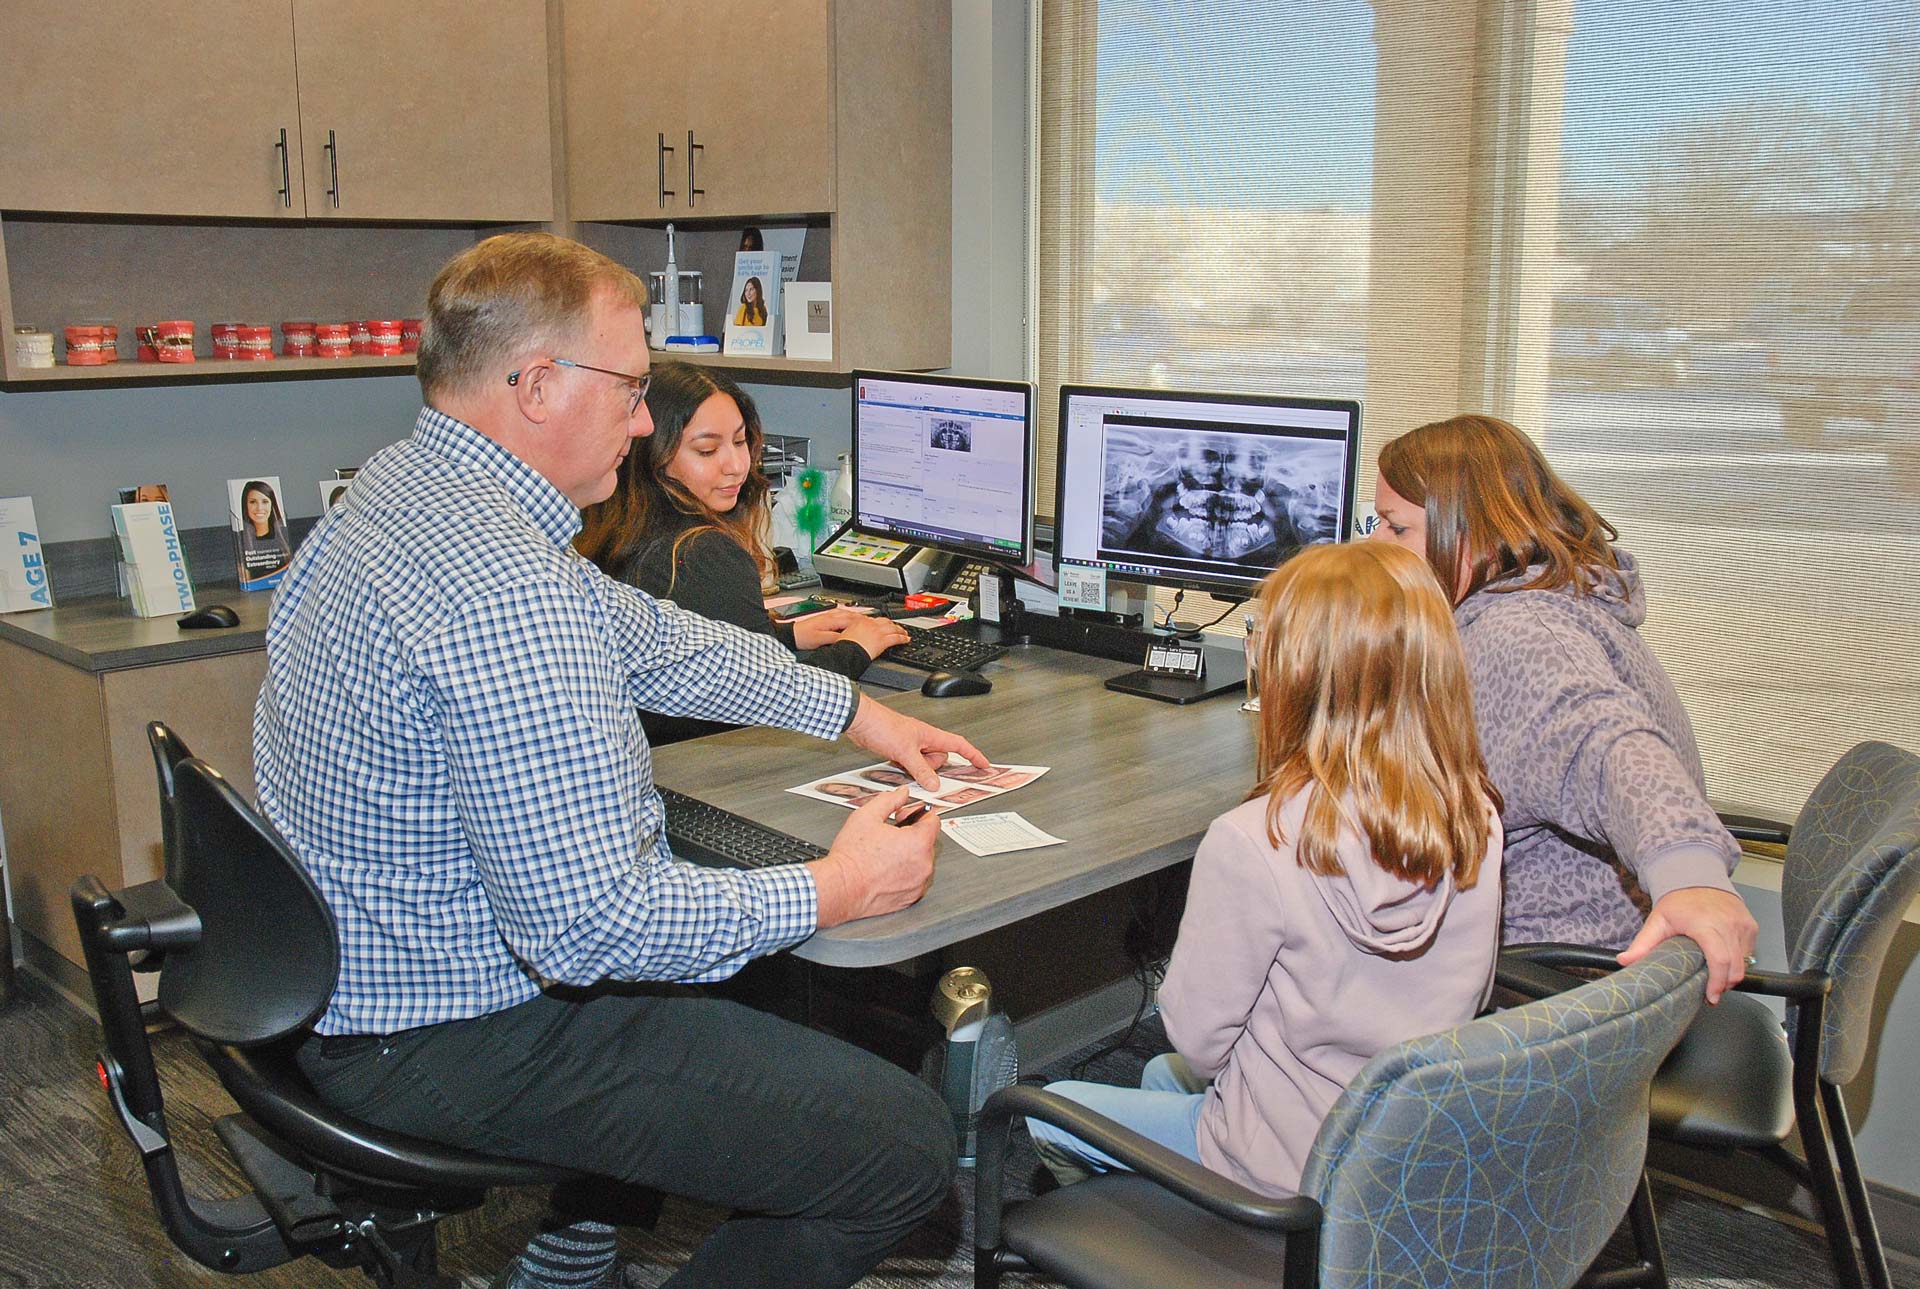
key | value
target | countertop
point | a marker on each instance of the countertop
(100, 633)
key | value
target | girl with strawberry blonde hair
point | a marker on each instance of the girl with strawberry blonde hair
(1350, 903)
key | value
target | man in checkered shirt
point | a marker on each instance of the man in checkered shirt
(448, 738)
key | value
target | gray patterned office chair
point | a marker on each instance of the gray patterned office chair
(1503, 1152)
(1736, 1081)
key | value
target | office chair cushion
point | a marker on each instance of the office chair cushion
(1729, 1082)
(1852, 869)
(269, 1087)
(1121, 1231)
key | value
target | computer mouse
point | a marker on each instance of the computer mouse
(213, 615)
(955, 684)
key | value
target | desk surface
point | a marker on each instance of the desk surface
(1133, 787)
(101, 633)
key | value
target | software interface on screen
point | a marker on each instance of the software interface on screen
(945, 462)
(1199, 490)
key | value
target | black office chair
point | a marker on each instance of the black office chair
(248, 955)
(1737, 1081)
(1503, 1151)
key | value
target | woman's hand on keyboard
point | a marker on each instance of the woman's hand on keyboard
(914, 746)
(874, 867)
(874, 634)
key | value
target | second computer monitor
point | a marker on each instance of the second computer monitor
(945, 461)
(1202, 491)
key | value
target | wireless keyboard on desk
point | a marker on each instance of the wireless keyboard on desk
(705, 834)
(937, 649)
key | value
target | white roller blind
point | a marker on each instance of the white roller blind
(1733, 361)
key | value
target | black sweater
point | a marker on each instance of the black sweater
(714, 577)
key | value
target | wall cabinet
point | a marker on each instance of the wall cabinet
(838, 112)
(323, 109)
(142, 174)
(718, 110)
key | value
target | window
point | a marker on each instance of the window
(1679, 244)
(1206, 178)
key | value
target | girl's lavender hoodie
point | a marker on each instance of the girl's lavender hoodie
(1587, 740)
(1283, 983)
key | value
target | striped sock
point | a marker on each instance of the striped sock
(572, 1257)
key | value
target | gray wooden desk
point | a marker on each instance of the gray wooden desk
(1133, 787)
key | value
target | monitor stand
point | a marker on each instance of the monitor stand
(1226, 672)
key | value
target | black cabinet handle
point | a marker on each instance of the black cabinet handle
(333, 168)
(693, 190)
(286, 176)
(665, 192)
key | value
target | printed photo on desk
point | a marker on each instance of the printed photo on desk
(261, 549)
(961, 784)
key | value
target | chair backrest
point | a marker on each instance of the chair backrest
(1506, 1151)
(1852, 869)
(269, 951)
(168, 753)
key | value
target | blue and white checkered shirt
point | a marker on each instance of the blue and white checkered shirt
(447, 737)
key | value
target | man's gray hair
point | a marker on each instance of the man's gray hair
(509, 293)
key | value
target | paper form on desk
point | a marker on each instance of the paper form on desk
(997, 834)
(960, 784)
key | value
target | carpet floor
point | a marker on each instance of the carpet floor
(74, 1211)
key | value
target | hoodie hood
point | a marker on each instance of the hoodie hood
(1617, 594)
(1379, 912)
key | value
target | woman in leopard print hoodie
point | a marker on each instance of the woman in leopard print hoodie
(1609, 837)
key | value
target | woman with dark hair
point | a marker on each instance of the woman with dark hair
(753, 306)
(265, 550)
(1610, 840)
(688, 522)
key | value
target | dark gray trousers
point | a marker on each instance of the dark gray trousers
(828, 1155)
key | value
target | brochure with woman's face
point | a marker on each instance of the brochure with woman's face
(262, 549)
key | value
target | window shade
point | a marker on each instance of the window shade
(1733, 361)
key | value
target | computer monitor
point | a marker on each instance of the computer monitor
(1206, 492)
(945, 461)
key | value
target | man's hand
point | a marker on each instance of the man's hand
(873, 866)
(1714, 919)
(914, 746)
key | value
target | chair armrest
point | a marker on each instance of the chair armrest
(1536, 969)
(1755, 828)
(1193, 1182)
(1800, 986)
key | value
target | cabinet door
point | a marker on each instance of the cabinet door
(761, 107)
(626, 91)
(160, 107)
(433, 109)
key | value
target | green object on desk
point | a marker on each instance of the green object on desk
(810, 516)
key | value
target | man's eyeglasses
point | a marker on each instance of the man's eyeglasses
(637, 391)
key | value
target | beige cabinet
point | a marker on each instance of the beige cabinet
(337, 109)
(150, 108)
(432, 109)
(718, 110)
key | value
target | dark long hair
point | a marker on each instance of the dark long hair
(647, 502)
(1490, 494)
(754, 310)
(276, 525)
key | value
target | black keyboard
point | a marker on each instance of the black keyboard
(705, 834)
(938, 649)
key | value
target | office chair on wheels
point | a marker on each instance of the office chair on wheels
(247, 956)
(1501, 1152)
(1737, 1081)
